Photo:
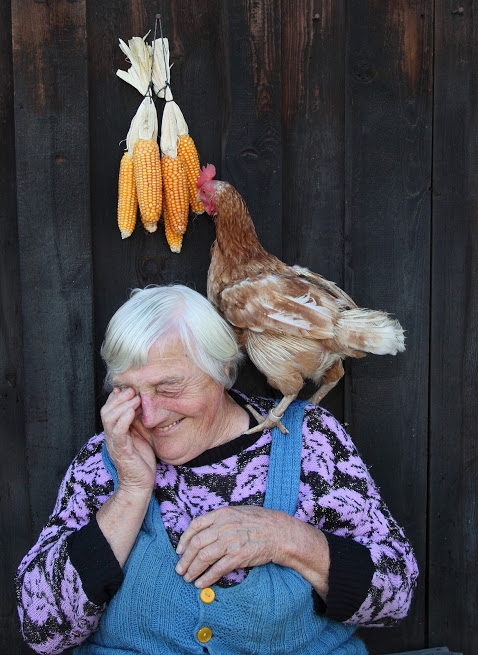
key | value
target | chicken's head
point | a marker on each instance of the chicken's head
(207, 188)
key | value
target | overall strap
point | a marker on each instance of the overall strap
(109, 465)
(285, 462)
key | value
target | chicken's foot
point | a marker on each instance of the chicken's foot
(273, 419)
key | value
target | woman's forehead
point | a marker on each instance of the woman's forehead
(168, 347)
(167, 363)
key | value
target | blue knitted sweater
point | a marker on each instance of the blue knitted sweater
(155, 612)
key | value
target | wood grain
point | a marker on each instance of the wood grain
(313, 65)
(388, 219)
(453, 563)
(252, 129)
(52, 168)
(15, 524)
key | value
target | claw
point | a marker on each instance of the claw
(270, 421)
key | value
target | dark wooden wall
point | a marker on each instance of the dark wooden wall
(351, 129)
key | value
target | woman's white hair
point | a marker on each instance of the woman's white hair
(158, 312)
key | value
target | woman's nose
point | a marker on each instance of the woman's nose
(151, 411)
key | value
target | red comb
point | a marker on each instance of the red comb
(207, 173)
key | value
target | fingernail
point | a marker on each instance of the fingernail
(179, 568)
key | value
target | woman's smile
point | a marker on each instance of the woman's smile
(166, 428)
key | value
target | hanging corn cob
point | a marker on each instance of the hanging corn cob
(142, 146)
(173, 238)
(127, 197)
(175, 186)
(189, 155)
(147, 175)
(141, 143)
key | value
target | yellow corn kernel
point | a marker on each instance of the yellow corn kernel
(175, 191)
(127, 197)
(188, 153)
(147, 174)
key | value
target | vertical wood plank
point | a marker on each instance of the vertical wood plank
(313, 53)
(453, 535)
(198, 74)
(388, 167)
(252, 133)
(313, 64)
(51, 111)
(15, 525)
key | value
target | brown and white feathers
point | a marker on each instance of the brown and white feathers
(293, 323)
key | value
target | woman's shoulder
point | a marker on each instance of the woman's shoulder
(87, 477)
(319, 424)
(91, 450)
(258, 402)
(315, 416)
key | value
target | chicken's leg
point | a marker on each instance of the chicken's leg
(329, 380)
(273, 419)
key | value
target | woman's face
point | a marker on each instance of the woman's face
(182, 409)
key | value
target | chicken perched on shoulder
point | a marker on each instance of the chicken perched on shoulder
(293, 323)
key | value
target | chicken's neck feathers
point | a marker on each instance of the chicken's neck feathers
(236, 235)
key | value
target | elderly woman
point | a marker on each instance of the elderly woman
(176, 531)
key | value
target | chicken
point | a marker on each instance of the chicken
(293, 323)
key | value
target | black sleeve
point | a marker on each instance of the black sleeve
(350, 576)
(95, 562)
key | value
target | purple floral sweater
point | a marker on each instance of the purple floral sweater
(66, 580)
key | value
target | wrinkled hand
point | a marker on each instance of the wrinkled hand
(230, 538)
(127, 442)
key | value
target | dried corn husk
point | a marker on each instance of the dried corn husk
(139, 56)
(144, 124)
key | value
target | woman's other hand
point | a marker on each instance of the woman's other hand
(242, 536)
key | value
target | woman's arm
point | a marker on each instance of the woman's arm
(348, 507)
(55, 612)
(120, 518)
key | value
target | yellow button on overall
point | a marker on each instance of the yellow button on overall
(204, 635)
(207, 595)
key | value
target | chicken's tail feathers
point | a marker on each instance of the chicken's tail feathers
(370, 331)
